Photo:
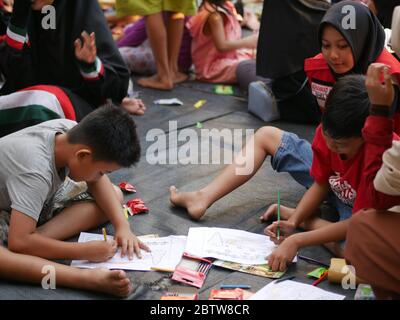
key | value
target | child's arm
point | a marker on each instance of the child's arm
(286, 251)
(23, 238)
(104, 194)
(378, 134)
(15, 55)
(215, 23)
(307, 207)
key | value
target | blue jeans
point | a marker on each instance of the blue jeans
(294, 156)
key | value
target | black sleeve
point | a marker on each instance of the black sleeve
(113, 80)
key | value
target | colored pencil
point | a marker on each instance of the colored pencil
(279, 215)
(104, 234)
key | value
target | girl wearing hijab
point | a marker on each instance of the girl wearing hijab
(281, 55)
(347, 50)
(343, 52)
(77, 53)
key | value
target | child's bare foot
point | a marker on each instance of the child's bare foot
(194, 202)
(156, 82)
(114, 282)
(179, 77)
(134, 106)
(272, 213)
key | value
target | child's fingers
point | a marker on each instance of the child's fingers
(275, 264)
(78, 44)
(282, 265)
(137, 249)
(124, 246)
(130, 249)
(144, 246)
(271, 211)
(269, 231)
(85, 36)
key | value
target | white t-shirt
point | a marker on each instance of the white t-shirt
(28, 174)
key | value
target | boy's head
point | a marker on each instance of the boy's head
(347, 108)
(104, 141)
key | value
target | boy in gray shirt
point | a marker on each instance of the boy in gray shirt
(34, 163)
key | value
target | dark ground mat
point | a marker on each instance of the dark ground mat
(240, 209)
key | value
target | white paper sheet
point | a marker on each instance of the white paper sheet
(293, 290)
(165, 253)
(229, 245)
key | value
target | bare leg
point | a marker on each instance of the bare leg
(80, 217)
(265, 142)
(158, 41)
(174, 33)
(29, 269)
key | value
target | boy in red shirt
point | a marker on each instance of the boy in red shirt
(347, 153)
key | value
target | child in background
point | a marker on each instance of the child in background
(104, 141)
(135, 49)
(348, 148)
(165, 39)
(217, 45)
(77, 53)
(340, 55)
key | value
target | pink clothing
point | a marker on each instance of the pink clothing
(210, 64)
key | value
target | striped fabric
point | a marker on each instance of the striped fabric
(32, 106)
(94, 72)
(16, 37)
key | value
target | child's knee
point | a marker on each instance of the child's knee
(120, 195)
(269, 138)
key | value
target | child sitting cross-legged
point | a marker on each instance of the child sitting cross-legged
(34, 164)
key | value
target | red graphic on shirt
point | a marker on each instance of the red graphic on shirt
(343, 190)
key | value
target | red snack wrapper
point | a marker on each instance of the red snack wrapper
(137, 206)
(127, 187)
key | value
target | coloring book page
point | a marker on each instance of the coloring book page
(229, 245)
(165, 253)
(292, 290)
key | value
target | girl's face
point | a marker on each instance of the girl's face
(336, 51)
(37, 5)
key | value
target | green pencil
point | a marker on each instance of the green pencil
(278, 231)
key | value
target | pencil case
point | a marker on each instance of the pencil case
(192, 270)
(262, 102)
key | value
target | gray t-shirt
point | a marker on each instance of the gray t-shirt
(28, 174)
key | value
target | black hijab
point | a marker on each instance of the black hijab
(287, 35)
(54, 57)
(366, 40)
(385, 10)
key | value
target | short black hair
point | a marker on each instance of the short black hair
(347, 108)
(111, 134)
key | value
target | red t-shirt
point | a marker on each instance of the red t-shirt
(352, 180)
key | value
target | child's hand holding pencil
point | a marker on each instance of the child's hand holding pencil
(286, 228)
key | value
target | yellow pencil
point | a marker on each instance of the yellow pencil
(161, 269)
(104, 234)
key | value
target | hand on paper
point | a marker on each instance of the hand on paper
(283, 255)
(129, 243)
(286, 229)
(99, 251)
